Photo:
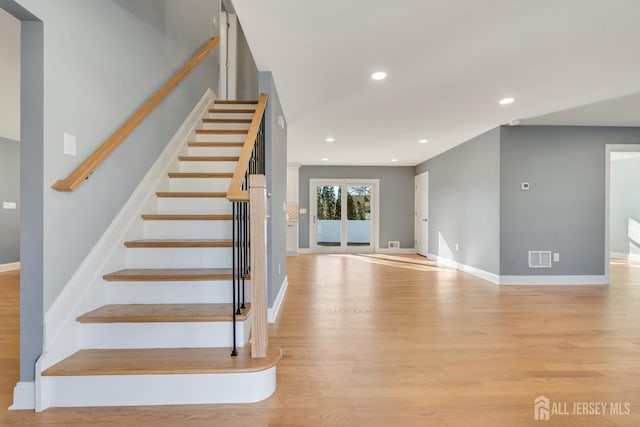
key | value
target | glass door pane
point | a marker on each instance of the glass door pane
(359, 215)
(329, 212)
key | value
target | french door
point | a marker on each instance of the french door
(343, 215)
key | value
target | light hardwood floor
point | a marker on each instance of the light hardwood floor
(373, 341)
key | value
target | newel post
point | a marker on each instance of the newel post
(258, 242)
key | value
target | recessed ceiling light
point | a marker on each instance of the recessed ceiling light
(506, 101)
(394, 160)
(330, 139)
(379, 75)
(325, 159)
(422, 141)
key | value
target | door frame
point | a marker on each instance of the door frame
(417, 199)
(375, 213)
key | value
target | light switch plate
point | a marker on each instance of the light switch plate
(303, 211)
(69, 144)
(9, 205)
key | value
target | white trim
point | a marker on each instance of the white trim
(9, 267)
(607, 187)
(86, 289)
(24, 396)
(482, 274)
(628, 257)
(272, 313)
(304, 251)
(396, 251)
(554, 280)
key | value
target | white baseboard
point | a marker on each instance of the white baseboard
(9, 267)
(85, 290)
(482, 274)
(615, 255)
(24, 396)
(392, 251)
(554, 280)
(304, 251)
(520, 280)
(272, 313)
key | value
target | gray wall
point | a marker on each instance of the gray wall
(9, 192)
(564, 211)
(9, 76)
(103, 59)
(395, 192)
(276, 168)
(625, 206)
(464, 202)
(247, 79)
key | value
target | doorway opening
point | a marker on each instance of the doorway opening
(9, 142)
(344, 215)
(422, 214)
(622, 213)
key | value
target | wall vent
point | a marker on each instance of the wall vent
(539, 259)
(394, 244)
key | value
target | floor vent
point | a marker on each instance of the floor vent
(539, 259)
(394, 244)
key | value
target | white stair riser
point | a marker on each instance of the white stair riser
(235, 106)
(199, 184)
(139, 390)
(193, 205)
(187, 229)
(179, 257)
(220, 137)
(230, 116)
(215, 151)
(162, 335)
(200, 166)
(210, 292)
(226, 126)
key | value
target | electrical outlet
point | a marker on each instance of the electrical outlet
(457, 247)
(556, 257)
(278, 269)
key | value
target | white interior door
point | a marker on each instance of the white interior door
(422, 214)
(228, 55)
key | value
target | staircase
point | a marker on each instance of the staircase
(165, 335)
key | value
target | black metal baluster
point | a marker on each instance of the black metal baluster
(234, 351)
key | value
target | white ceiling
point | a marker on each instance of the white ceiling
(448, 64)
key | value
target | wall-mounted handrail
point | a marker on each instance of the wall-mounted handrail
(236, 193)
(82, 172)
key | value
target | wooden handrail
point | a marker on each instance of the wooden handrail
(82, 172)
(235, 192)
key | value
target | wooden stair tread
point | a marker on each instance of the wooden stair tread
(150, 313)
(159, 361)
(218, 195)
(179, 243)
(186, 217)
(214, 144)
(245, 121)
(221, 131)
(208, 158)
(170, 275)
(235, 101)
(231, 110)
(200, 174)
